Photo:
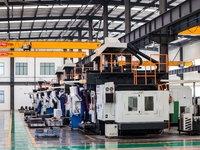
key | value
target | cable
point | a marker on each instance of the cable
(176, 54)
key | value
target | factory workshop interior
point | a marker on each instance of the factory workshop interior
(99, 74)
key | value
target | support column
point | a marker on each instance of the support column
(181, 59)
(105, 20)
(127, 16)
(79, 39)
(90, 33)
(162, 6)
(12, 75)
(163, 46)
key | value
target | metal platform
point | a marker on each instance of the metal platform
(53, 132)
(36, 122)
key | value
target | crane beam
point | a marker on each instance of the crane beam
(49, 45)
(171, 63)
(192, 31)
(42, 54)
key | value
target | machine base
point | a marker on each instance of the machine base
(141, 127)
(86, 128)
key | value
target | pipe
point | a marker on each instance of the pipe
(134, 50)
(135, 54)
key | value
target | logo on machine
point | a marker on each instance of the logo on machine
(3, 44)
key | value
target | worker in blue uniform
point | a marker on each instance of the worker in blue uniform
(63, 102)
(85, 106)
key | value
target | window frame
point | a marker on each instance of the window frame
(21, 68)
(2, 94)
(133, 98)
(3, 68)
(153, 103)
(50, 68)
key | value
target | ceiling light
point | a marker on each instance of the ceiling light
(136, 8)
(74, 6)
(120, 7)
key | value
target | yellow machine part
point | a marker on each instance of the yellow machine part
(50, 45)
(192, 31)
(42, 54)
(171, 63)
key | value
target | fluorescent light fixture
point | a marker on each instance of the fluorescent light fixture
(120, 7)
(87, 6)
(15, 21)
(15, 32)
(140, 23)
(74, 6)
(111, 6)
(118, 21)
(1, 22)
(28, 7)
(150, 9)
(40, 20)
(136, 8)
(60, 6)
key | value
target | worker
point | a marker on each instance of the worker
(39, 107)
(63, 102)
(85, 106)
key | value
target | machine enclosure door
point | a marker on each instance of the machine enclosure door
(141, 106)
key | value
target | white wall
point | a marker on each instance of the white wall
(190, 53)
(6, 104)
(22, 99)
(6, 76)
(30, 61)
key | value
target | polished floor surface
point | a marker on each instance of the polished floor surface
(15, 135)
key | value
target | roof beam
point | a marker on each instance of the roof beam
(33, 22)
(46, 20)
(58, 22)
(55, 38)
(22, 13)
(141, 36)
(8, 16)
(77, 2)
(70, 17)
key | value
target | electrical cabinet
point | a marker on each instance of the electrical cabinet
(111, 130)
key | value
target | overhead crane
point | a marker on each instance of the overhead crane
(42, 54)
(170, 63)
(49, 45)
(62, 54)
(191, 31)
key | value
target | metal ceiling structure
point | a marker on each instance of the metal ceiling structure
(72, 19)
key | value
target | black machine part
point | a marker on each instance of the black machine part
(132, 49)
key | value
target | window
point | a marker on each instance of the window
(1, 96)
(21, 69)
(149, 106)
(1, 68)
(47, 68)
(132, 103)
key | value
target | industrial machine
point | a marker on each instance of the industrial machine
(181, 99)
(128, 100)
(131, 110)
(189, 120)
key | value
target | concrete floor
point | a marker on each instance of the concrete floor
(16, 135)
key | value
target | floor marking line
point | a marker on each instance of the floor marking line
(28, 131)
(9, 132)
(91, 138)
